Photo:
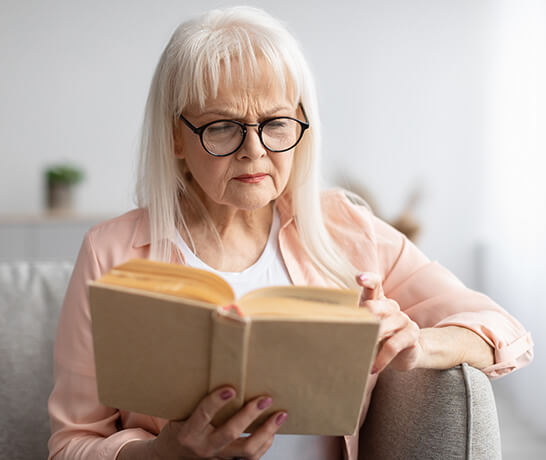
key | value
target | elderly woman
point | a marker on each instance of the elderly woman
(228, 182)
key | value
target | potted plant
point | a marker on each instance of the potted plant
(60, 182)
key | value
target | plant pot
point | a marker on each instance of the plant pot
(60, 197)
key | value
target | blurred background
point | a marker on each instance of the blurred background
(435, 110)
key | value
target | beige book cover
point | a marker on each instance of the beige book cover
(165, 335)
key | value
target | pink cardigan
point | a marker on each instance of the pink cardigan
(82, 428)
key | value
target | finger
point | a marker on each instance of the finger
(404, 340)
(381, 308)
(232, 429)
(373, 289)
(257, 444)
(203, 414)
(391, 324)
(277, 420)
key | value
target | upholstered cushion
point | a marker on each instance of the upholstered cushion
(429, 414)
(30, 298)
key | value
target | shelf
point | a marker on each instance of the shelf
(44, 236)
(52, 217)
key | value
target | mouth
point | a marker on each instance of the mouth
(251, 178)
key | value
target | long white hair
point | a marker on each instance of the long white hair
(200, 53)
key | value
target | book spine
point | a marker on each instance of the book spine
(228, 360)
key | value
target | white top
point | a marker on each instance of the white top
(269, 270)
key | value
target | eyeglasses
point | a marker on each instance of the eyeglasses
(221, 138)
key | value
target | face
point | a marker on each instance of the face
(252, 177)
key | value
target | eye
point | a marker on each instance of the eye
(222, 131)
(279, 123)
(222, 127)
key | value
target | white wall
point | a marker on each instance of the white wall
(515, 224)
(416, 117)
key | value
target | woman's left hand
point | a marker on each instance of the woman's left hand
(399, 336)
(404, 346)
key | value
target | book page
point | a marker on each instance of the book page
(281, 307)
(171, 279)
(347, 297)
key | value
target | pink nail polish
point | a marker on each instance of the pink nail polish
(363, 277)
(374, 370)
(264, 403)
(226, 394)
(281, 418)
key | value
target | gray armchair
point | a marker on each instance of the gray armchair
(429, 414)
(421, 414)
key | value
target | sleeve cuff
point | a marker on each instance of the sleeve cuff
(512, 350)
(510, 357)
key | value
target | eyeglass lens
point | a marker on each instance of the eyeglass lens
(225, 137)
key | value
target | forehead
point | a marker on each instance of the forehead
(242, 90)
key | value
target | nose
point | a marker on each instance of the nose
(252, 147)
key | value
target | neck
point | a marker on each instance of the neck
(243, 234)
(228, 221)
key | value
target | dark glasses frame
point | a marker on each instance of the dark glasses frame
(200, 130)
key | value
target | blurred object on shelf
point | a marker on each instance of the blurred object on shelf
(406, 221)
(60, 182)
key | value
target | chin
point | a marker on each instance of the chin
(253, 205)
(254, 202)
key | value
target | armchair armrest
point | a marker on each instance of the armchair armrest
(426, 413)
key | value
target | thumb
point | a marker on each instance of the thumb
(372, 287)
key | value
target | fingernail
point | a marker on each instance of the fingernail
(362, 277)
(265, 402)
(374, 370)
(226, 394)
(281, 418)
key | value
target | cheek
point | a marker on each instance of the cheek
(208, 172)
(284, 167)
(204, 171)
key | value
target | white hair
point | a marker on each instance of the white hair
(199, 54)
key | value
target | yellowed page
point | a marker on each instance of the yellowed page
(270, 307)
(172, 279)
(330, 296)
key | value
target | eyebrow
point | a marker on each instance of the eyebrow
(235, 115)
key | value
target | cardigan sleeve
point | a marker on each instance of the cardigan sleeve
(433, 297)
(82, 428)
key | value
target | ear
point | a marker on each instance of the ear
(178, 141)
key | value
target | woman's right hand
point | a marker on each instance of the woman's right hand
(196, 437)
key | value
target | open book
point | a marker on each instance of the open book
(165, 335)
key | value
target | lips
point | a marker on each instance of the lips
(251, 178)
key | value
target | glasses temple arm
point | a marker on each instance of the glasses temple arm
(304, 114)
(188, 124)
